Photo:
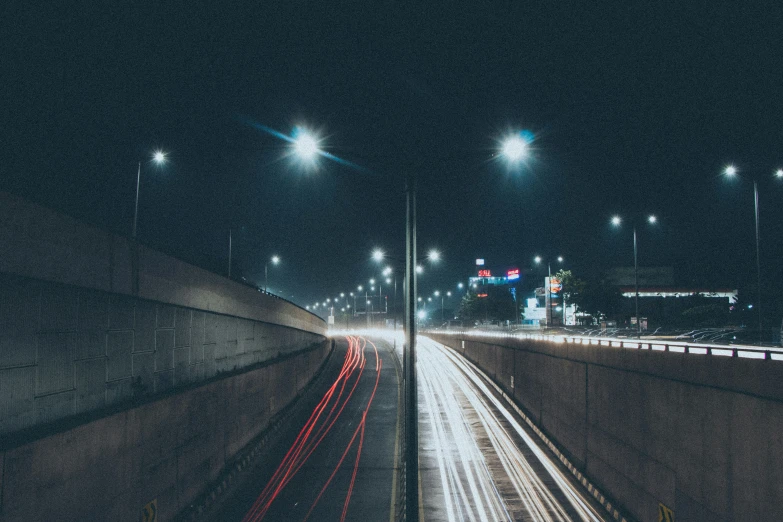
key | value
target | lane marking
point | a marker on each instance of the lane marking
(392, 511)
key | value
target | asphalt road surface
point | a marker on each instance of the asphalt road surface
(335, 459)
(478, 461)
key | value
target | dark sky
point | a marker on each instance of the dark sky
(635, 107)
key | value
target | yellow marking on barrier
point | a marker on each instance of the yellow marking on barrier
(149, 512)
(665, 514)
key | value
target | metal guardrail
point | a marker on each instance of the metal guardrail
(738, 351)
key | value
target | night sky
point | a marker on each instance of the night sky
(635, 107)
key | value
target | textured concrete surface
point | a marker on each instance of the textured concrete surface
(40, 243)
(166, 450)
(66, 350)
(701, 434)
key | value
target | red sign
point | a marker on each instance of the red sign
(484, 273)
(481, 295)
(512, 274)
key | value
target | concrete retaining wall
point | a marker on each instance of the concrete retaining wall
(40, 243)
(702, 435)
(164, 451)
(89, 319)
(66, 350)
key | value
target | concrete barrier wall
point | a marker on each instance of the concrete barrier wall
(166, 451)
(66, 350)
(40, 243)
(702, 435)
(90, 320)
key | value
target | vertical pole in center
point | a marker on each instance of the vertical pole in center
(411, 406)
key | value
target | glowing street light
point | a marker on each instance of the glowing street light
(514, 148)
(378, 255)
(159, 158)
(616, 221)
(305, 145)
(433, 255)
(730, 171)
(275, 261)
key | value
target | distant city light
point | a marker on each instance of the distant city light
(387, 270)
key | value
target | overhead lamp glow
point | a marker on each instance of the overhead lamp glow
(378, 254)
(779, 173)
(730, 170)
(159, 157)
(652, 219)
(434, 255)
(515, 148)
(616, 220)
(305, 145)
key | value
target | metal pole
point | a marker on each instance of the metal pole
(636, 284)
(266, 275)
(395, 302)
(136, 209)
(758, 257)
(411, 409)
(549, 319)
(229, 253)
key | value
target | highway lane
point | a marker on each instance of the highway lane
(336, 458)
(478, 461)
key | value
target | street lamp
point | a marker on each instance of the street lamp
(538, 260)
(159, 158)
(731, 171)
(275, 260)
(617, 221)
(515, 148)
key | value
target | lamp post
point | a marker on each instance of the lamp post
(538, 260)
(275, 260)
(159, 157)
(731, 171)
(617, 221)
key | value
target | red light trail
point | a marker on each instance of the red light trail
(318, 427)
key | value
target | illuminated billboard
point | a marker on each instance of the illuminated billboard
(479, 262)
(512, 274)
(484, 273)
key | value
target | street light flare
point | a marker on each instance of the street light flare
(515, 148)
(652, 219)
(159, 157)
(730, 170)
(305, 145)
(616, 220)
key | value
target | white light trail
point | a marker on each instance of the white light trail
(484, 474)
